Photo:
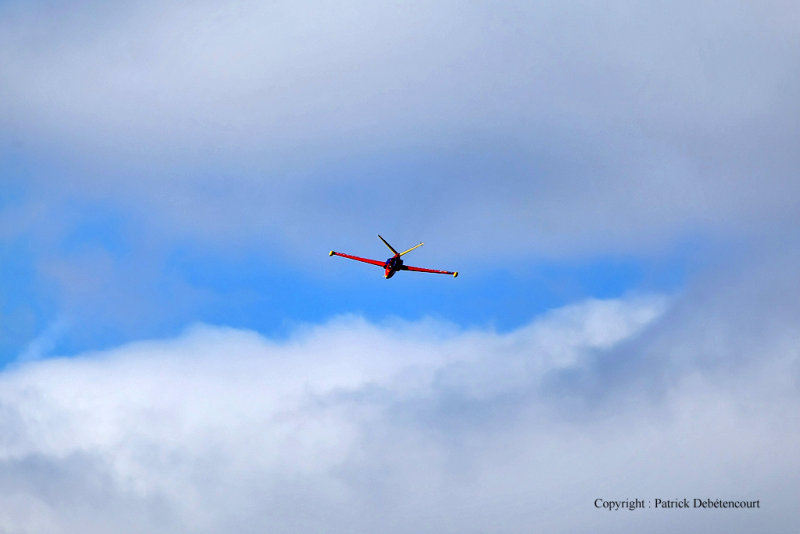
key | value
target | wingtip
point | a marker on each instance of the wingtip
(331, 253)
(455, 274)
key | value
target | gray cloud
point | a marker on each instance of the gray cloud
(555, 129)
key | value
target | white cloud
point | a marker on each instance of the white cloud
(404, 427)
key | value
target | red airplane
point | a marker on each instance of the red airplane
(393, 264)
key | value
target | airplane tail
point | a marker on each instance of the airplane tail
(387, 244)
(400, 253)
(412, 248)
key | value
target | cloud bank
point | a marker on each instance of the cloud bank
(558, 130)
(400, 427)
(141, 136)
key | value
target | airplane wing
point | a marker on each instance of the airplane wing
(365, 260)
(421, 270)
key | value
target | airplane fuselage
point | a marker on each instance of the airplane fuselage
(391, 266)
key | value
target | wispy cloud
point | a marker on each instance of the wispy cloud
(43, 344)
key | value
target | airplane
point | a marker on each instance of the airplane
(393, 264)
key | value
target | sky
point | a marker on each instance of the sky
(616, 183)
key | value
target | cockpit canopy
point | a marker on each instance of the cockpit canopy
(393, 263)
